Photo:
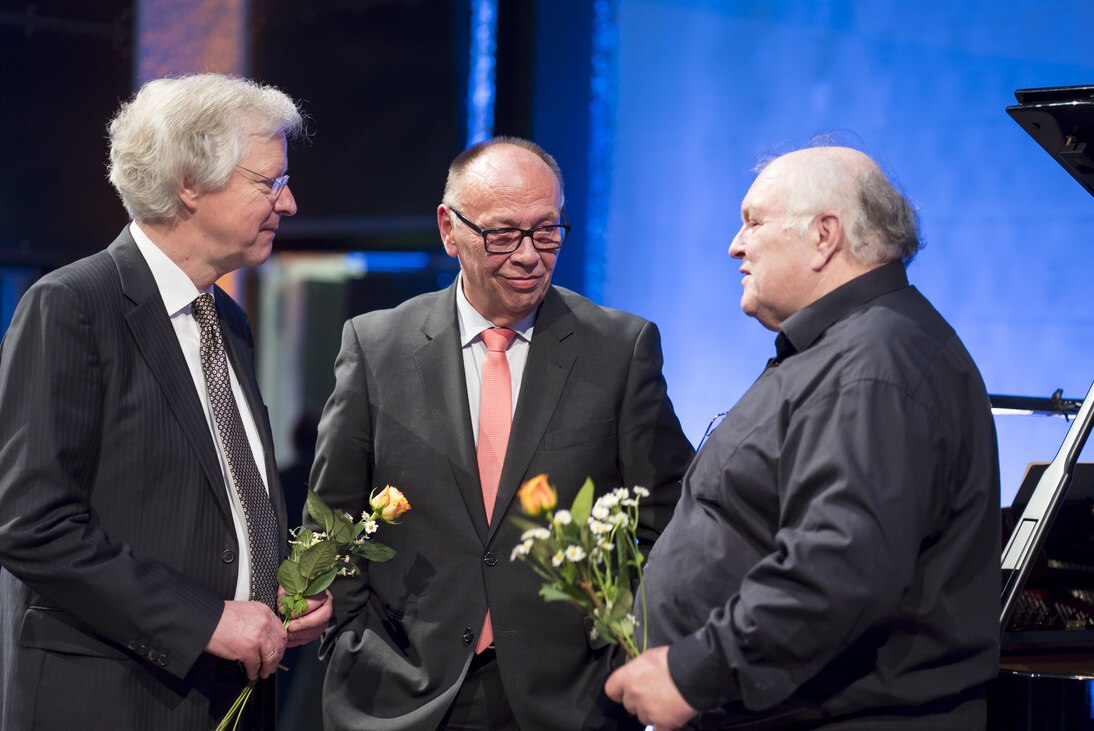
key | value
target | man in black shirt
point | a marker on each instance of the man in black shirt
(834, 558)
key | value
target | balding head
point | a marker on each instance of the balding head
(881, 225)
(494, 151)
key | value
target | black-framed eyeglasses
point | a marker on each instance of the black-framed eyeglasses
(508, 240)
(275, 185)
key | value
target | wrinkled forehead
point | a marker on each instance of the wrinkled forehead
(768, 189)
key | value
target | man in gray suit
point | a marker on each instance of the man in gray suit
(451, 634)
(140, 513)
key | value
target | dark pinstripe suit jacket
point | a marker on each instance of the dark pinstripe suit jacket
(116, 536)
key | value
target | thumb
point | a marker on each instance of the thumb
(613, 686)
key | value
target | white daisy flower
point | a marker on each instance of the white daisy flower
(608, 501)
(521, 549)
(599, 527)
(575, 553)
(539, 534)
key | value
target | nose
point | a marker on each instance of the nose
(526, 252)
(736, 247)
(285, 204)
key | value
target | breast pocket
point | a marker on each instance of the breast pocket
(573, 436)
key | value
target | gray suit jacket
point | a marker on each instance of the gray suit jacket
(593, 403)
(116, 536)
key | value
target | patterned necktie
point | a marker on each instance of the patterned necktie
(261, 521)
(495, 419)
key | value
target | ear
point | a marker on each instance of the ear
(444, 225)
(189, 195)
(828, 237)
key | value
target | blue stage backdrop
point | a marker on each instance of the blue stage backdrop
(705, 87)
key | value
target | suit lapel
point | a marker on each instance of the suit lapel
(156, 340)
(550, 359)
(241, 354)
(440, 368)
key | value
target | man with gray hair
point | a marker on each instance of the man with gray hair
(834, 558)
(141, 517)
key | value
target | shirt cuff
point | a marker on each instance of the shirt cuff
(700, 674)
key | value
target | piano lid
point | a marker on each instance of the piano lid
(1061, 119)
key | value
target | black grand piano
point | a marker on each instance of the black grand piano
(1046, 677)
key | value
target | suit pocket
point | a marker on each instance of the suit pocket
(53, 629)
(582, 434)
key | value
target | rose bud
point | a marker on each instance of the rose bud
(537, 496)
(389, 504)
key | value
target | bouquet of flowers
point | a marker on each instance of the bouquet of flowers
(587, 555)
(317, 557)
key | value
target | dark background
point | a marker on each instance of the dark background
(383, 83)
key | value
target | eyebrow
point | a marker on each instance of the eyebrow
(544, 220)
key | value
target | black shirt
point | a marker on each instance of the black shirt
(836, 545)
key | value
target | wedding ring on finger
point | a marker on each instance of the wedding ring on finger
(271, 654)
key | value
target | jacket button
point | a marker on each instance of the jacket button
(228, 556)
(468, 636)
(489, 559)
(162, 661)
(133, 645)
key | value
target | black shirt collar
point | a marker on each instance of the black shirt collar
(805, 326)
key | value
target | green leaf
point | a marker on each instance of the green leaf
(289, 576)
(624, 602)
(604, 630)
(285, 604)
(583, 503)
(525, 524)
(319, 511)
(342, 531)
(551, 594)
(373, 551)
(291, 606)
(318, 560)
(563, 593)
(321, 582)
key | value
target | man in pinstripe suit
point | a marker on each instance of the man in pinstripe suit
(127, 554)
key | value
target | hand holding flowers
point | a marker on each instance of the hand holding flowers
(317, 557)
(588, 555)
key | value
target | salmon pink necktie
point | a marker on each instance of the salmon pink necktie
(495, 418)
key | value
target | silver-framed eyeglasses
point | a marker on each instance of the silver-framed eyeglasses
(275, 185)
(508, 240)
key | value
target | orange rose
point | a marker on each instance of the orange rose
(537, 496)
(389, 504)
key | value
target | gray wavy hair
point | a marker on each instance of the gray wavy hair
(881, 223)
(190, 128)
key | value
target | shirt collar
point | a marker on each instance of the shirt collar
(805, 326)
(177, 290)
(472, 323)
